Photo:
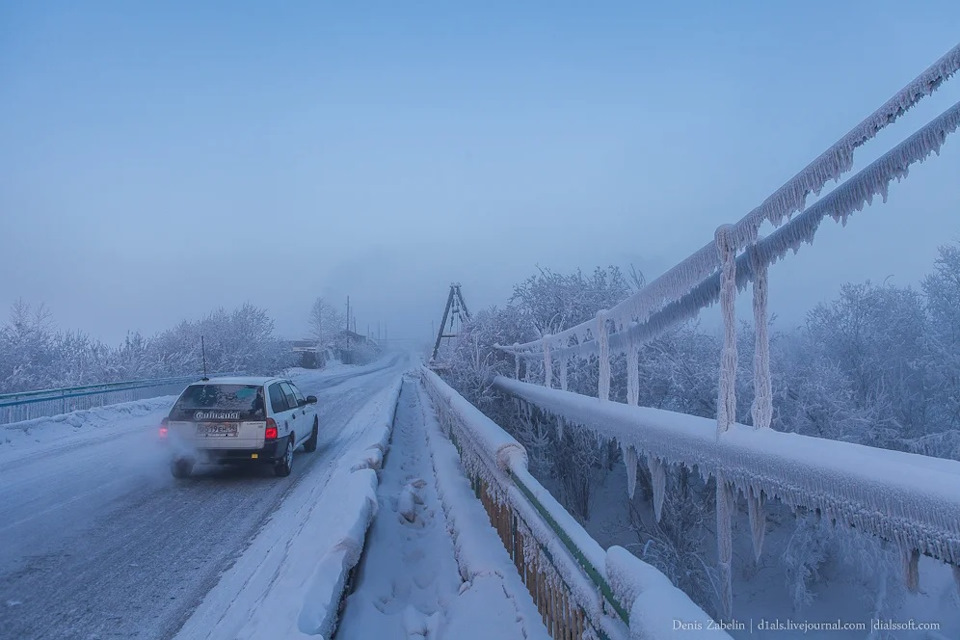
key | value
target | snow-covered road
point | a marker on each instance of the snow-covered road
(98, 541)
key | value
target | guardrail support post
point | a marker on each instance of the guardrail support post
(603, 338)
(727, 397)
(633, 373)
(762, 409)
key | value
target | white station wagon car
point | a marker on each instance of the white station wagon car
(240, 420)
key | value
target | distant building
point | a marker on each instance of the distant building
(311, 357)
(353, 348)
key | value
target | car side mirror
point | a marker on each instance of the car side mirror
(311, 399)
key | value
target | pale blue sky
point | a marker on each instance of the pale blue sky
(159, 161)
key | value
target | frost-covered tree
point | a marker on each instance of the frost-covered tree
(550, 302)
(34, 356)
(326, 322)
(942, 340)
(26, 343)
(874, 335)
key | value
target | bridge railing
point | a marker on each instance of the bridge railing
(28, 405)
(579, 588)
(905, 498)
(717, 271)
(633, 318)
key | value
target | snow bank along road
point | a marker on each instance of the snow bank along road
(97, 540)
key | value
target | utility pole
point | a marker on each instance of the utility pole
(348, 313)
(457, 312)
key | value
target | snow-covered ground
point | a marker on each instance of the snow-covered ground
(20, 441)
(97, 540)
(414, 582)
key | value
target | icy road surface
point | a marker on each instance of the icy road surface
(98, 541)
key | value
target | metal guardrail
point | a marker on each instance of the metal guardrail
(29, 405)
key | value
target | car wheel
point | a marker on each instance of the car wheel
(285, 464)
(311, 444)
(181, 468)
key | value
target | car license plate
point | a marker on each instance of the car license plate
(220, 430)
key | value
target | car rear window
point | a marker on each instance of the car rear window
(277, 400)
(220, 402)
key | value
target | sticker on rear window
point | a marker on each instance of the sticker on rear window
(216, 415)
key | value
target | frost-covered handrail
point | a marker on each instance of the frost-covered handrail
(853, 195)
(785, 201)
(902, 497)
(634, 589)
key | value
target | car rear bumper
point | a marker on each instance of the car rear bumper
(269, 453)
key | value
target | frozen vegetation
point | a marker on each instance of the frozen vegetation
(35, 354)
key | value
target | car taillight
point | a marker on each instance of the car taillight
(163, 428)
(271, 431)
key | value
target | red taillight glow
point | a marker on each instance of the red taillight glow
(163, 428)
(271, 431)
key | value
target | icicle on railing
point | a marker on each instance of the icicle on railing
(727, 400)
(838, 159)
(725, 545)
(876, 492)
(630, 461)
(762, 409)
(658, 481)
(516, 363)
(758, 520)
(564, 364)
(911, 568)
(603, 390)
(547, 364)
(785, 201)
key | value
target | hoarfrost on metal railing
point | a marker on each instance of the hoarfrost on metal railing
(677, 284)
(580, 589)
(902, 497)
(28, 405)
(718, 271)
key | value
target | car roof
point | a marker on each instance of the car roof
(247, 380)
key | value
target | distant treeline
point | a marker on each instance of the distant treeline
(36, 355)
